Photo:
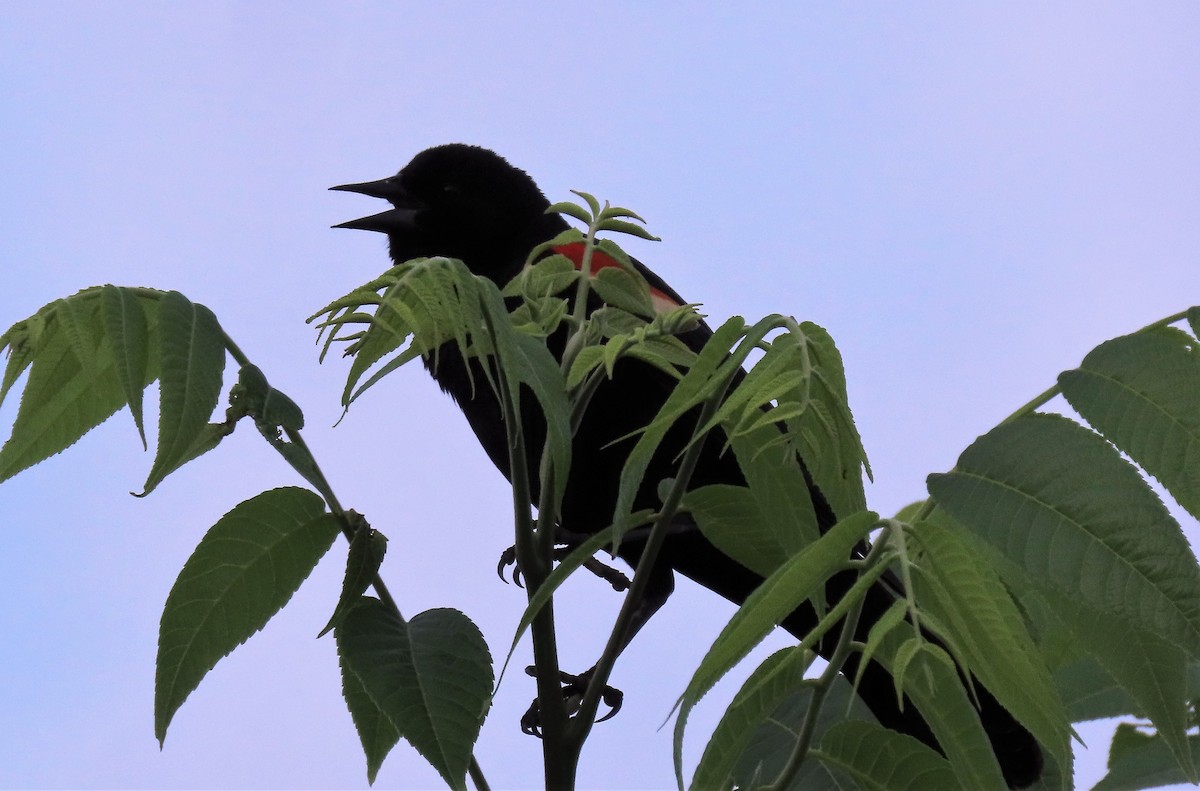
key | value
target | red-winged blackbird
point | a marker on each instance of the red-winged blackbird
(468, 203)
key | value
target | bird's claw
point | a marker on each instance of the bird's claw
(612, 576)
(573, 689)
(509, 558)
(614, 699)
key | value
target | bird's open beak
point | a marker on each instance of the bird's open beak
(390, 221)
(388, 189)
(396, 220)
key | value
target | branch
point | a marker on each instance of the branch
(823, 683)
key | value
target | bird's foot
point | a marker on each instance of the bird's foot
(509, 558)
(573, 689)
(612, 576)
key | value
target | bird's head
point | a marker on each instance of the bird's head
(462, 202)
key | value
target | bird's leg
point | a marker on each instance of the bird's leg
(661, 585)
(573, 689)
(565, 543)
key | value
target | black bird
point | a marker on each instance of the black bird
(469, 203)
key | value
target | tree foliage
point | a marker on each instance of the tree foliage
(1043, 561)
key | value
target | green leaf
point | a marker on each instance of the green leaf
(571, 210)
(1142, 392)
(588, 359)
(209, 437)
(620, 226)
(192, 349)
(367, 548)
(545, 315)
(1089, 692)
(690, 391)
(402, 359)
(547, 249)
(525, 360)
(21, 342)
(436, 301)
(244, 570)
(619, 211)
(614, 251)
(829, 440)
(269, 407)
(346, 312)
(280, 410)
(65, 397)
(298, 457)
(1153, 671)
(891, 618)
(375, 730)
(777, 480)
(432, 677)
(781, 675)
(1053, 636)
(423, 301)
(933, 684)
(960, 588)
(623, 289)
(76, 322)
(1141, 760)
(591, 201)
(731, 518)
(774, 741)
(791, 584)
(878, 758)
(1193, 319)
(778, 374)
(769, 522)
(661, 355)
(1061, 503)
(128, 332)
(612, 352)
(548, 277)
(796, 581)
(362, 295)
(907, 651)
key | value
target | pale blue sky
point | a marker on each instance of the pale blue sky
(968, 196)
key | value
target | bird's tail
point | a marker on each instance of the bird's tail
(1016, 750)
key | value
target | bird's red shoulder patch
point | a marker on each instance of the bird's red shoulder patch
(573, 252)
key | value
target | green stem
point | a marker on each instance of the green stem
(579, 310)
(825, 681)
(559, 759)
(1037, 401)
(321, 482)
(584, 719)
(235, 351)
(1041, 399)
(896, 532)
(348, 528)
(346, 524)
(481, 783)
(559, 747)
(1180, 316)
